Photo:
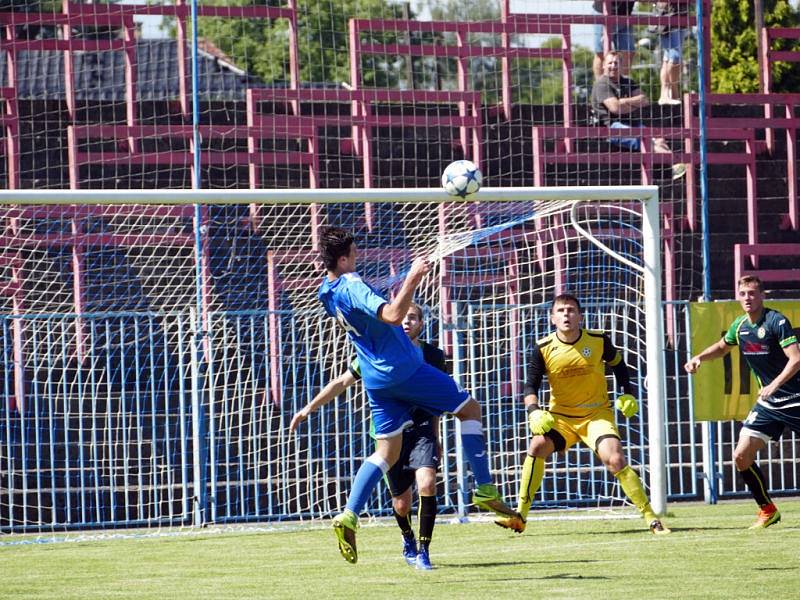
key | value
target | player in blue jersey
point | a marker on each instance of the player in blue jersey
(395, 377)
(419, 458)
(768, 343)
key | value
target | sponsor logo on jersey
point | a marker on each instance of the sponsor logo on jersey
(754, 348)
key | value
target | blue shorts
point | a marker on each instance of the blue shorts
(768, 424)
(621, 39)
(428, 388)
(672, 46)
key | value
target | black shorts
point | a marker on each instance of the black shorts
(768, 423)
(419, 450)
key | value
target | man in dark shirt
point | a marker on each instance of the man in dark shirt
(617, 102)
(769, 345)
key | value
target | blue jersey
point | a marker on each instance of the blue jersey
(386, 355)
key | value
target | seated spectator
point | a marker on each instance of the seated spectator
(617, 102)
(671, 42)
(621, 36)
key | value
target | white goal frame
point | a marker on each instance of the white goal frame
(648, 195)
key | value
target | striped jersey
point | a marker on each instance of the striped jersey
(761, 345)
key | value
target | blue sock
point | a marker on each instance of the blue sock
(475, 450)
(367, 477)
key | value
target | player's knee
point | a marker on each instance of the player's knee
(426, 485)
(742, 459)
(389, 449)
(401, 505)
(541, 446)
(471, 411)
(615, 463)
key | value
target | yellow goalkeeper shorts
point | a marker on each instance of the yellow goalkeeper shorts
(588, 429)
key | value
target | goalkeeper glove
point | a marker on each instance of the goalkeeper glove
(540, 421)
(627, 405)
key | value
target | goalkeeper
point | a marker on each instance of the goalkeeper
(573, 359)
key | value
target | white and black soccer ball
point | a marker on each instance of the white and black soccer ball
(461, 178)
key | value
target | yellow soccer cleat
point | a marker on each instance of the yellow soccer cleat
(515, 523)
(487, 497)
(768, 515)
(344, 526)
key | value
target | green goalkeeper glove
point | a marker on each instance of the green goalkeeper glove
(627, 405)
(540, 421)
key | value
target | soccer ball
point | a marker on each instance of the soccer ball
(461, 178)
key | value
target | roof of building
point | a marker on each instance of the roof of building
(101, 75)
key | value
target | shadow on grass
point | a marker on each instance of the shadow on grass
(555, 577)
(515, 563)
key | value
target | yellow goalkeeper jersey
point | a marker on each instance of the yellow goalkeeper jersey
(575, 372)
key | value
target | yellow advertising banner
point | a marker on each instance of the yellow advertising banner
(725, 388)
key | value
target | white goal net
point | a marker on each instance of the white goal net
(155, 350)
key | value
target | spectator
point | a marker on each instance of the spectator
(617, 102)
(671, 42)
(621, 36)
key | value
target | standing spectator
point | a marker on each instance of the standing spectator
(617, 103)
(671, 42)
(621, 36)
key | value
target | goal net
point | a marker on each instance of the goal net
(155, 350)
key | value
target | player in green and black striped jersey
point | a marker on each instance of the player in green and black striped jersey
(768, 343)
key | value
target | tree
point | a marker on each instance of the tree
(734, 59)
(260, 47)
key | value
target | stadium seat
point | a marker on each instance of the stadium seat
(782, 259)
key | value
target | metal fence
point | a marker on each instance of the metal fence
(139, 432)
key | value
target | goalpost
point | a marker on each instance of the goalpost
(156, 343)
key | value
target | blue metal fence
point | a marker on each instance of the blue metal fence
(109, 439)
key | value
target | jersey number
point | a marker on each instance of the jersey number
(345, 325)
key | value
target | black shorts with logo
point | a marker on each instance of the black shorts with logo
(768, 423)
(419, 450)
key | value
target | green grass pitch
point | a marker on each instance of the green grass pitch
(711, 554)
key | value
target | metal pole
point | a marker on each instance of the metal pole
(709, 432)
(759, 25)
(656, 372)
(198, 364)
(461, 463)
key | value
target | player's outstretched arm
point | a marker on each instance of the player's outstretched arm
(718, 350)
(395, 311)
(329, 392)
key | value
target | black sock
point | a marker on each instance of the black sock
(404, 523)
(754, 479)
(427, 518)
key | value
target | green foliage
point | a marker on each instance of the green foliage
(261, 48)
(734, 59)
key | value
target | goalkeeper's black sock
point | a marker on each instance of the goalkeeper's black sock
(427, 519)
(754, 479)
(404, 523)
